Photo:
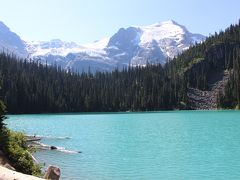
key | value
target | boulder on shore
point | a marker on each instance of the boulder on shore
(52, 173)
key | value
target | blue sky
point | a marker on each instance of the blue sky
(84, 21)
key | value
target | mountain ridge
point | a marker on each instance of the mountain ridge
(132, 46)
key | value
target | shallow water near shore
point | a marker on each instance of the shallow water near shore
(196, 145)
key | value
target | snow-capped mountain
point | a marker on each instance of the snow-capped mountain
(171, 37)
(53, 47)
(152, 44)
(134, 46)
(70, 55)
(10, 42)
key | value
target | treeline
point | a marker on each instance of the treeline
(29, 87)
(36, 88)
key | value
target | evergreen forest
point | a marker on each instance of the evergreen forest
(30, 87)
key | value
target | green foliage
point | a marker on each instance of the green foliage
(2, 117)
(17, 152)
(3, 131)
(14, 146)
(218, 53)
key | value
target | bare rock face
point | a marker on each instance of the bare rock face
(52, 173)
(207, 100)
(11, 43)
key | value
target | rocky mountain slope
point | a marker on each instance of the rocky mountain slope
(208, 99)
(10, 42)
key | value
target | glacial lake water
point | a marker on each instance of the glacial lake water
(174, 145)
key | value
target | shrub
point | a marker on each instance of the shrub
(17, 152)
(13, 144)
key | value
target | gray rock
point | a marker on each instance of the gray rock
(52, 173)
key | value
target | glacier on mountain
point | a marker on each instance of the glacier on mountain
(133, 46)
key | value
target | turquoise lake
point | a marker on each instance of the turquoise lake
(169, 145)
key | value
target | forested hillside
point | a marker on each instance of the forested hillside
(219, 54)
(35, 88)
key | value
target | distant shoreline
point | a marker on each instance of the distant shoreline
(122, 112)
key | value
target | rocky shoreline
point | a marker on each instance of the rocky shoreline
(35, 142)
(8, 172)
